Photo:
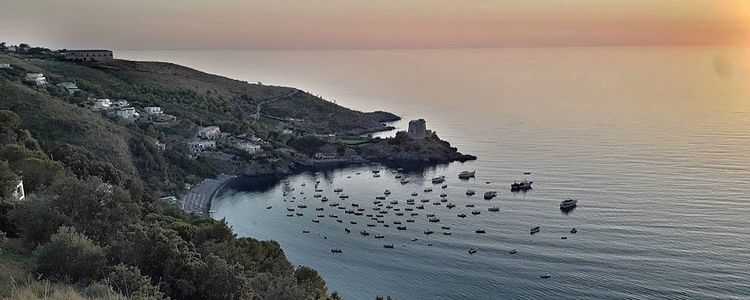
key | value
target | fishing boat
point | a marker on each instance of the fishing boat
(489, 195)
(338, 190)
(268, 207)
(404, 180)
(380, 197)
(461, 215)
(493, 209)
(450, 205)
(379, 236)
(445, 227)
(466, 174)
(387, 192)
(429, 232)
(434, 220)
(388, 246)
(427, 190)
(438, 179)
(545, 276)
(414, 194)
(475, 212)
(479, 231)
(316, 221)
(446, 233)
(513, 251)
(524, 185)
(364, 233)
(470, 192)
(568, 204)
(401, 227)
(334, 250)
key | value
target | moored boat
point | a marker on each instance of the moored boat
(568, 204)
(466, 174)
(534, 230)
(470, 192)
(438, 179)
(489, 195)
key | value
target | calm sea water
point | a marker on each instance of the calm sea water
(653, 142)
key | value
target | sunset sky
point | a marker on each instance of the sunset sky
(385, 24)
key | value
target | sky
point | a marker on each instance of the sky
(373, 24)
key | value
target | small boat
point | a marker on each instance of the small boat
(461, 215)
(388, 206)
(409, 220)
(324, 199)
(445, 227)
(443, 195)
(333, 204)
(574, 230)
(563, 237)
(445, 186)
(376, 171)
(424, 200)
(429, 232)
(317, 196)
(429, 244)
(333, 216)
(321, 216)
(414, 194)
(290, 209)
(347, 230)
(521, 186)
(319, 208)
(302, 206)
(430, 215)
(489, 195)
(479, 231)
(268, 207)
(397, 222)
(339, 220)
(450, 205)
(535, 230)
(414, 239)
(379, 236)
(434, 220)
(438, 179)
(493, 209)
(394, 202)
(299, 214)
(305, 231)
(316, 221)
(404, 181)
(338, 190)
(353, 222)
(513, 251)
(370, 225)
(472, 250)
(436, 203)
(568, 204)
(420, 207)
(380, 197)
(400, 214)
(343, 196)
(290, 215)
(469, 205)
(364, 233)
(376, 175)
(545, 276)
(386, 225)
(388, 246)
(398, 176)
(470, 192)
(387, 192)
(475, 212)
(336, 250)
(446, 233)
(414, 214)
(401, 227)
(466, 174)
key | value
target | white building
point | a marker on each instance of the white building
(18, 193)
(248, 147)
(5, 66)
(120, 104)
(70, 87)
(101, 104)
(153, 110)
(209, 133)
(35, 78)
(200, 146)
(127, 113)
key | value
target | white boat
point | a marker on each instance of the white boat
(427, 190)
(568, 203)
(523, 185)
(438, 179)
(466, 174)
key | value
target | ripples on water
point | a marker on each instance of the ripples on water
(651, 142)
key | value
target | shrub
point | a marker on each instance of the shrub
(69, 256)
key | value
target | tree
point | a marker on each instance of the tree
(69, 256)
(7, 180)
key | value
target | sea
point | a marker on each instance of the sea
(653, 143)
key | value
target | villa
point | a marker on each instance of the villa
(70, 87)
(5, 66)
(248, 147)
(209, 133)
(101, 104)
(153, 110)
(37, 79)
(200, 146)
(127, 113)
